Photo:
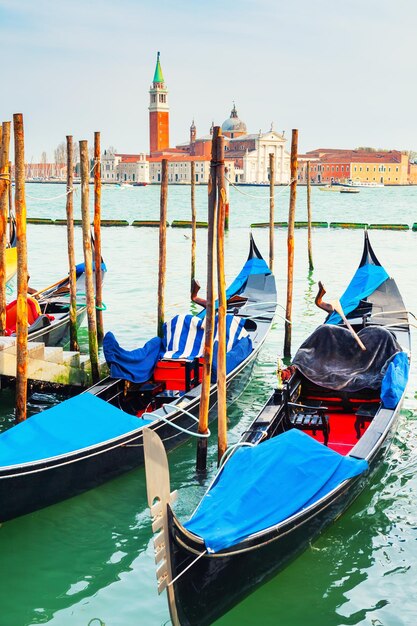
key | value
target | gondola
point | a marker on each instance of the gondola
(98, 434)
(48, 311)
(306, 456)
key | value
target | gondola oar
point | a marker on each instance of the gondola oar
(335, 305)
(338, 308)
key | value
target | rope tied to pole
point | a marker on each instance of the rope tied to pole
(251, 195)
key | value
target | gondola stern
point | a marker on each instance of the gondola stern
(160, 499)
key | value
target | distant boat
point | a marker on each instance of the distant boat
(140, 184)
(329, 188)
(349, 190)
(359, 183)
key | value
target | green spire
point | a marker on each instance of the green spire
(158, 76)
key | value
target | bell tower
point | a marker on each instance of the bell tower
(158, 112)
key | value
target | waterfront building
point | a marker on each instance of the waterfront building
(133, 168)
(249, 152)
(389, 167)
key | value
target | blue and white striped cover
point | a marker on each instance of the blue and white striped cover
(184, 335)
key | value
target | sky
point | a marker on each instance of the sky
(343, 73)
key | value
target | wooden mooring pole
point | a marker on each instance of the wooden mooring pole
(221, 315)
(70, 243)
(271, 209)
(97, 237)
(193, 224)
(22, 271)
(227, 203)
(209, 320)
(309, 242)
(88, 260)
(5, 185)
(162, 246)
(290, 243)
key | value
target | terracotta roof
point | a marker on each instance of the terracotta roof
(181, 158)
(335, 155)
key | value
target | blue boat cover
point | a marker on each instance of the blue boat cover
(80, 268)
(80, 422)
(366, 279)
(252, 266)
(234, 357)
(184, 335)
(395, 380)
(263, 485)
(134, 365)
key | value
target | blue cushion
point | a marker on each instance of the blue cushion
(395, 380)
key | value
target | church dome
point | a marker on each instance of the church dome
(233, 124)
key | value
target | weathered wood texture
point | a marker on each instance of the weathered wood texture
(227, 204)
(309, 235)
(271, 209)
(290, 243)
(22, 270)
(70, 244)
(193, 224)
(88, 260)
(221, 286)
(209, 331)
(97, 237)
(5, 185)
(162, 246)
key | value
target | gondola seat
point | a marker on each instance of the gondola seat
(310, 417)
(364, 414)
(36, 319)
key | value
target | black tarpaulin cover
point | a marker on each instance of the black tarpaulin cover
(332, 358)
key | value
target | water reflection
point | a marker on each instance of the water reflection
(68, 552)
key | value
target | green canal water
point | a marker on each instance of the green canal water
(89, 560)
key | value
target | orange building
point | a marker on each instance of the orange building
(158, 113)
(388, 167)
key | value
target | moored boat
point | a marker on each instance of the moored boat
(306, 456)
(349, 190)
(48, 311)
(97, 435)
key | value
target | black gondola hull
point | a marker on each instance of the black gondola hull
(223, 581)
(34, 486)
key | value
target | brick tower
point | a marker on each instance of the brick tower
(158, 112)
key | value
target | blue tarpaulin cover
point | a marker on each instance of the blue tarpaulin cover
(234, 357)
(252, 266)
(366, 279)
(263, 485)
(395, 380)
(80, 268)
(77, 423)
(134, 365)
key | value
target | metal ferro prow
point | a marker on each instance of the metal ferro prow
(159, 496)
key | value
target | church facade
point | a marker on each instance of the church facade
(246, 155)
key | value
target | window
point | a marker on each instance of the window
(153, 98)
(341, 168)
